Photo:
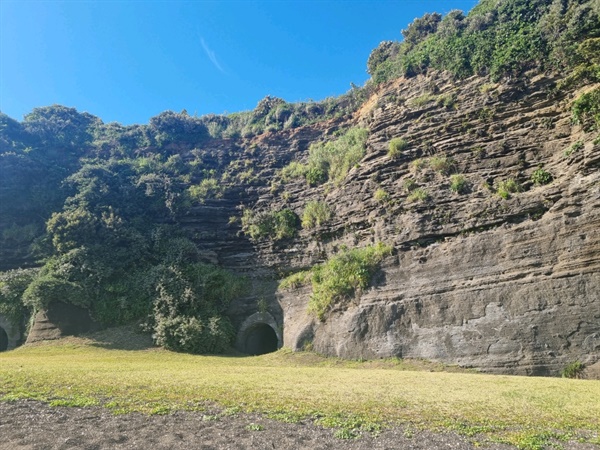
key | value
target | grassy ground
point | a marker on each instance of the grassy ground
(353, 397)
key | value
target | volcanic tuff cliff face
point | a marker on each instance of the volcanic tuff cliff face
(506, 285)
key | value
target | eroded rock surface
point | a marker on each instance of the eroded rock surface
(508, 285)
(60, 319)
(504, 285)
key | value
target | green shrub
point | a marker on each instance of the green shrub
(418, 164)
(487, 87)
(13, 284)
(286, 222)
(573, 370)
(409, 184)
(244, 177)
(208, 188)
(397, 145)
(421, 27)
(541, 176)
(293, 171)
(485, 114)
(333, 160)
(330, 160)
(385, 51)
(446, 100)
(343, 275)
(315, 214)
(458, 183)
(295, 280)
(507, 187)
(589, 50)
(422, 100)
(46, 289)
(575, 147)
(381, 196)
(417, 195)
(340, 277)
(315, 176)
(189, 306)
(170, 126)
(193, 335)
(275, 225)
(586, 110)
(442, 164)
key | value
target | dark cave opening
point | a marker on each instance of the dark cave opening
(261, 339)
(3, 340)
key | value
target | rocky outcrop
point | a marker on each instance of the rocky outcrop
(58, 320)
(517, 299)
(508, 285)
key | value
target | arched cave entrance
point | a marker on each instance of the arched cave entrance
(261, 339)
(259, 334)
(3, 340)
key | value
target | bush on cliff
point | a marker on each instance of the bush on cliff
(344, 275)
(107, 250)
(498, 38)
(189, 305)
(274, 225)
(331, 160)
(573, 370)
(12, 285)
(586, 110)
(396, 147)
(340, 277)
(315, 214)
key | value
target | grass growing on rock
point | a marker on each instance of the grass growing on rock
(396, 147)
(351, 396)
(315, 214)
(340, 277)
(508, 187)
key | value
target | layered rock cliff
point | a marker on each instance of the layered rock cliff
(494, 265)
(508, 285)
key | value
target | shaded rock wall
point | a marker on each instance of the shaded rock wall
(60, 319)
(10, 334)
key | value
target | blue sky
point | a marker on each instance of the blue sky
(127, 61)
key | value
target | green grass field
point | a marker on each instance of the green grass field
(352, 397)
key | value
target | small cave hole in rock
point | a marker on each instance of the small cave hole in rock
(261, 339)
(3, 340)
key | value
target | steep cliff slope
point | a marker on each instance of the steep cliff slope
(484, 192)
(503, 284)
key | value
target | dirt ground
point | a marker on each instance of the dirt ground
(34, 425)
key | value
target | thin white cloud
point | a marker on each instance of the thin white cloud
(211, 55)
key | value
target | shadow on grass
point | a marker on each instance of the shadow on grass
(131, 338)
(121, 338)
